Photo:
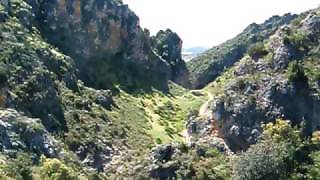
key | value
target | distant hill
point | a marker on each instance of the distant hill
(189, 53)
(196, 50)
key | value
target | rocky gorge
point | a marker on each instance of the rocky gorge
(86, 93)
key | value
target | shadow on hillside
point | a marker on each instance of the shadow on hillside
(105, 72)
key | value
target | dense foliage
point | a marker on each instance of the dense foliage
(282, 153)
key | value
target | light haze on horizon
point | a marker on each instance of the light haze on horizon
(207, 23)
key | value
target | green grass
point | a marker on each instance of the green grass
(167, 113)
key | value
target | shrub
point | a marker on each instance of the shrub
(54, 169)
(158, 141)
(281, 131)
(296, 22)
(95, 176)
(214, 165)
(316, 137)
(278, 154)
(19, 168)
(252, 100)
(262, 161)
(240, 84)
(296, 72)
(298, 40)
(257, 50)
(211, 168)
(314, 169)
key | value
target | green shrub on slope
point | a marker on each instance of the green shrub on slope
(257, 50)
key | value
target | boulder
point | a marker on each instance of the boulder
(164, 171)
(18, 132)
(163, 153)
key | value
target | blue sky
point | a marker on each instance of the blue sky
(210, 22)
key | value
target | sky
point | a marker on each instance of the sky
(207, 23)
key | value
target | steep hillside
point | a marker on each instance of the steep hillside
(277, 79)
(105, 40)
(264, 107)
(209, 65)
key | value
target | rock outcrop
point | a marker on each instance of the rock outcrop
(20, 133)
(168, 45)
(99, 34)
(180, 161)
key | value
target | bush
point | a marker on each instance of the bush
(19, 168)
(56, 170)
(298, 40)
(296, 72)
(315, 137)
(264, 160)
(278, 154)
(314, 169)
(213, 165)
(257, 51)
(281, 131)
(210, 168)
(158, 141)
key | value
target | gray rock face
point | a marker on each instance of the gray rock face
(163, 166)
(198, 127)
(163, 153)
(283, 52)
(5, 3)
(104, 98)
(3, 16)
(164, 171)
(241, 115)
(176, 161)
(250, 102)
(95, 158)
(99, 34)
(282, 57)
(84, 22)
(168, 45)
(311, 23)
(18, 132)
(203, 133)
(215, 142)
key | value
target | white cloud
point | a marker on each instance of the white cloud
(210, 22)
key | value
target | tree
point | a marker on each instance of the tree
(265, 160)
(273, 157)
